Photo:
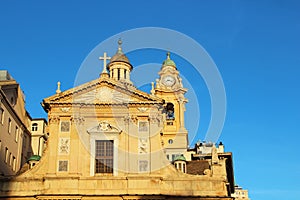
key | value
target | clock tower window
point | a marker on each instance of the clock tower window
(170, 111)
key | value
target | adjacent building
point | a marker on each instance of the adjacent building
(22, 138)
(240, 193)
(15, 137)
(39, 136)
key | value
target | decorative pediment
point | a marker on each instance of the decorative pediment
(103, 95)
(101, 91)
(104, 127)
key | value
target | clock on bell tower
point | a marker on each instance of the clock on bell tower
(169, 87)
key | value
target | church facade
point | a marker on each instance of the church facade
(109, 140)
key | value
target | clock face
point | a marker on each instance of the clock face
(168, 80)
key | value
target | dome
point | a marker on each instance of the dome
(120, 56)
(168, 61)
(34, 158)
(180, 158)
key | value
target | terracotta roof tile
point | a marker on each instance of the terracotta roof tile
(197, 167)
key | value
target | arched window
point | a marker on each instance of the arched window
(170, 111)
(34, 127)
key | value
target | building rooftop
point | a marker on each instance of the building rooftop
(197, 167)
(5, 76)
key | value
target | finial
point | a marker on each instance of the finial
(120, 45)
(168, 61)
(168, 55)
(157, 83)
(58, 88)
(214, 155)
(152, 88)
(120, 42)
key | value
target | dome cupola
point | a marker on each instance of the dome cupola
(119, 66)
(168, 61)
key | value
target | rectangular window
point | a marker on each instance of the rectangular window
(104, 156)
(17, 134)
(9, 125)
(65, 126)
(1, 115)
(63, 166)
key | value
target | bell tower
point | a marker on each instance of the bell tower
(169, 87)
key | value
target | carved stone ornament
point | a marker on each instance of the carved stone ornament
(142, 109)
(143, 145)
(214, 155)
(77, 120)
(152, 119)
(64, 146)
(207, 172)
(53, 119)
(127, 119)
(65, 109)
(180, 82)
(155, 119)
(104, 127)
(134, 119)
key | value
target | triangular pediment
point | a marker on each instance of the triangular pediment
(102, 91)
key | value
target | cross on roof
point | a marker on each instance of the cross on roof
(104, 58)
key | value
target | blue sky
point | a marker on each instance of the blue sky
(255, 45)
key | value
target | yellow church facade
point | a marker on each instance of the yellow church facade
(109, 140)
